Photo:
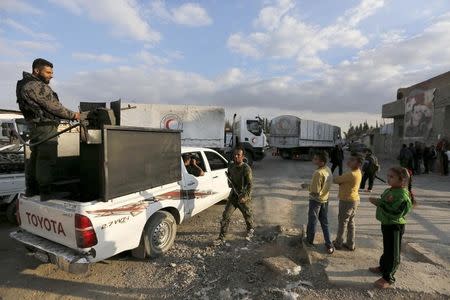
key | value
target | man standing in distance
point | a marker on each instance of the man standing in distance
(337, 158)
(240, 181)
(42, 110)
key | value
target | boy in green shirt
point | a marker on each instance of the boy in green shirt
(392, 208)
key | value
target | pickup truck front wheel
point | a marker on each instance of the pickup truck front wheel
(159, 233)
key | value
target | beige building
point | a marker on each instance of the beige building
(421, 112)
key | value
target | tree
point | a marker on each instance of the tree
(365, 127)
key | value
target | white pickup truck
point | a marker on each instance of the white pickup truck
(75, 234)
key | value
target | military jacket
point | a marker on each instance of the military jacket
(242, 179)
(38, 102)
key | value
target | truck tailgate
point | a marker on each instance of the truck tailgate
(53, 219)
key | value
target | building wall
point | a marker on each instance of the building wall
(441, 112)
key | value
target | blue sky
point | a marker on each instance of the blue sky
(317, 59)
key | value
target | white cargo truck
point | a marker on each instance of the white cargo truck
(131, 191)
(293, 137)
(201, 126)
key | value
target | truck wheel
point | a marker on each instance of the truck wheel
(159, 233)
(286, 155)
(11, 212)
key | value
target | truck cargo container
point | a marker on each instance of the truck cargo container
(293, 137)
(200, 126)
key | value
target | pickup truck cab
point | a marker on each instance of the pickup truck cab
(75, 234)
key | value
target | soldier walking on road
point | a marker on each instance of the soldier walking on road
(42, 110)
(370, 169)
(240, 181)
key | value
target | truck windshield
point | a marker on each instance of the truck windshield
(254, 127)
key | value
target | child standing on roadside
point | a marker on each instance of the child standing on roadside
(348, 202)
(392, 208)
(318, 200)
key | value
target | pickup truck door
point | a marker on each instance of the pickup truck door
(217, 166)
(197, 189)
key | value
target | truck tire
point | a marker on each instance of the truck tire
(285, 154)
(159, 233)
(11, 212)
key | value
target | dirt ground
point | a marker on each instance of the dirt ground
(194, 269)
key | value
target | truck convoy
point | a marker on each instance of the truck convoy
(201, 126)
(293, 137)
(117, 188)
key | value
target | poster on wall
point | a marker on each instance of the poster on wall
(419, 107)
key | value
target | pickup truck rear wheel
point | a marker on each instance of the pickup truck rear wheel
(11, 212)
(159, 233)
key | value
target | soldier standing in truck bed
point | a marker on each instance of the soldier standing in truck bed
(240, 181)
(42, 110)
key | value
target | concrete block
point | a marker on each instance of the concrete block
(282, 265)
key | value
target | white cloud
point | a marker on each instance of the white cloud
(189, 14)
(11, 72)
(19, 6)
(353, 90)
(359, 85)
(151, 59)
(365, 9)
(24, 29)
(124, 17)
(243, 45)
(283, 35)
(104, 58)
(392, 36)
(269, 17)
(175, 55)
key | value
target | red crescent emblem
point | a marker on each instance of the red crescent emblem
(168, 123)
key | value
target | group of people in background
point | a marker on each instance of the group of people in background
(391, 207)
(419, 157)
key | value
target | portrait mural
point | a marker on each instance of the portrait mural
(419, 107)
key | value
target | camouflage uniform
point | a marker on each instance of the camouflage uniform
(42, 111)
(241, 177)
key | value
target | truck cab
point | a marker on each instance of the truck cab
(250, 134)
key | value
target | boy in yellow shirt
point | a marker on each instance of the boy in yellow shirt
(319, 191)
(348, 202)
